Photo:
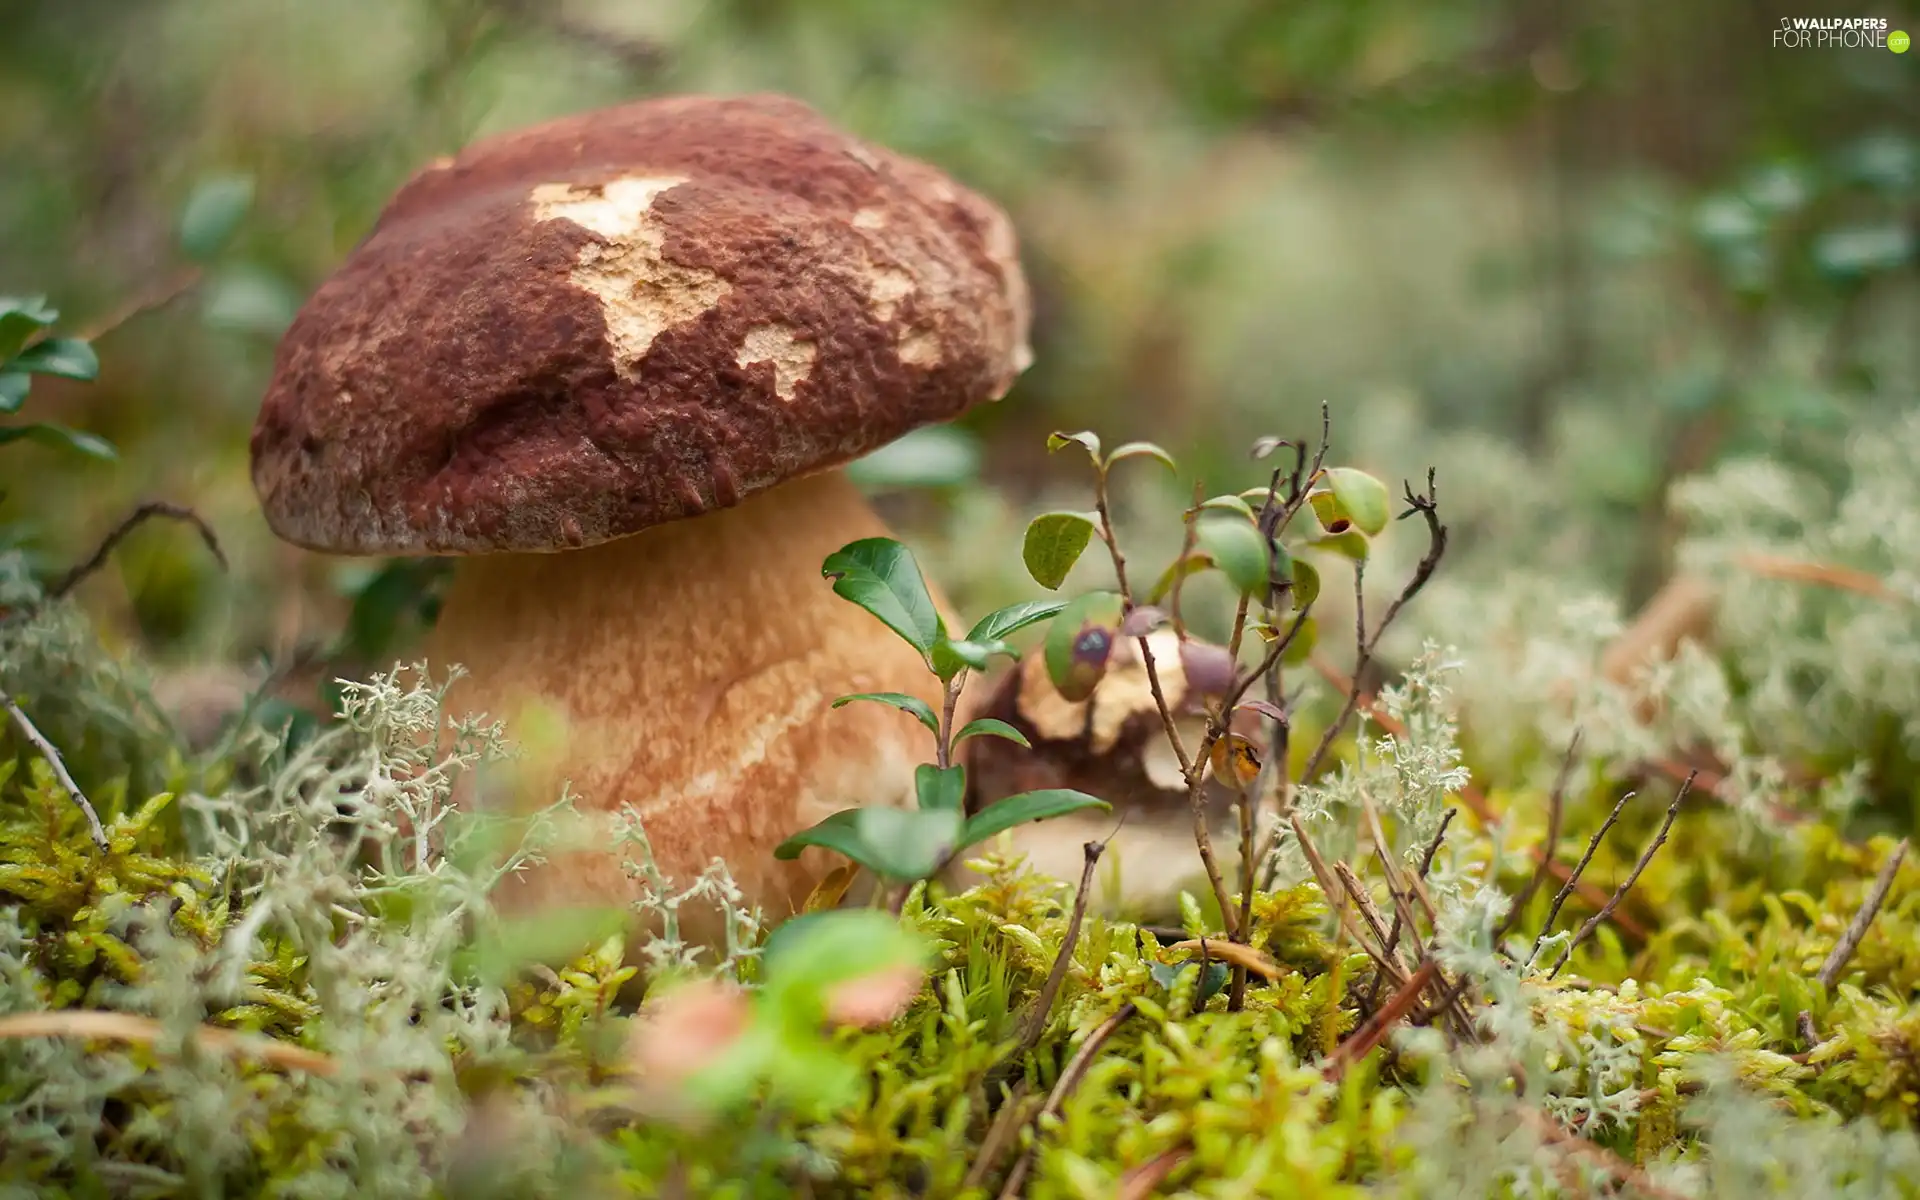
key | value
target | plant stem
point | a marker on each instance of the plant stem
(61, 775)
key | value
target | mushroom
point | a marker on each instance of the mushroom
(612, 365)
(1114, 745)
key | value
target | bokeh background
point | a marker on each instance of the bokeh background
(1566, 253)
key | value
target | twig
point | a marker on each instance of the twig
(1011, 1116)
(133, 520)
(1428, 507)
(1036, 1022)
(1070, 1077)
(158, 296)
(130, 1027)
(1139, 1183)
(1426, 864)
(1556, 809)
(1370, 1035)
(1573, 876)
(1476, 802)
(1621, 1171)
(1774, 566)
(1646, 856)
(60, 773)
(1850, 941)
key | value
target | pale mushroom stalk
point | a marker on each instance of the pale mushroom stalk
(694, 666)
(613, 365)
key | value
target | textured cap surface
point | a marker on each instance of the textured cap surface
(570, 333)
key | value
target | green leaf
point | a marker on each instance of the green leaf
(60, 438)
(1079, 643)
(1027, 806)
(1350, 544)
(1001, 622)
(880, 575)
(837, 833)
(951, 657)
(212, 213)
(1086, 439)
(989, 727)
(1301, 647)
(900, 700)
(20, 318)
(69, 358)
(1180, 568)
(1142, 450)
(1854, 252)
(1306, 583)
(1232, 504)
(1053, 544)
(938, 789)
(14, 386)
(1238, 549)
(1349, 499)
(909, 843)
(807, 954)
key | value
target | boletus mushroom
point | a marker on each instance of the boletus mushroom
(613, 365)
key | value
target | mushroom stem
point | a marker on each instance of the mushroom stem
(694, 666)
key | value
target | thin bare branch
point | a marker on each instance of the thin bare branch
(61, 775)
(1556, 810)
(1428, 507)
(1626, 885)
(1070, 1077)
(1862, 920)
(151, 510)
(1036, 1021)
(1370, 1035)
(1140, 1182)
(1573, 876)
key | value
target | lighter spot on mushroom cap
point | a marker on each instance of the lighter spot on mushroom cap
(919, 349)
(641, 295)
(886, 288)
(870, 218)
(791, 357)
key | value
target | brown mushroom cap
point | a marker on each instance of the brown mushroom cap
(571, 333)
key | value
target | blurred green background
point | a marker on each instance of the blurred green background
(1564, 252)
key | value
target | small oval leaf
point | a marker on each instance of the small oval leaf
(1306, 584)
(1080, 642)
(1018, 809)
(1235, 760)
(880, 575)
(1142, 450)
(900, 700)
(1232, 504)
(836, 833)
(1358, 498)
(990, 727)
(909, 843)
(1142, 620)
(1240, 551)
(1350, 544)
(940, 789)
(69, 358)
(212, 213)
(1001, 622)
(1192, 564)
(1054, 542)
(1086, 439)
